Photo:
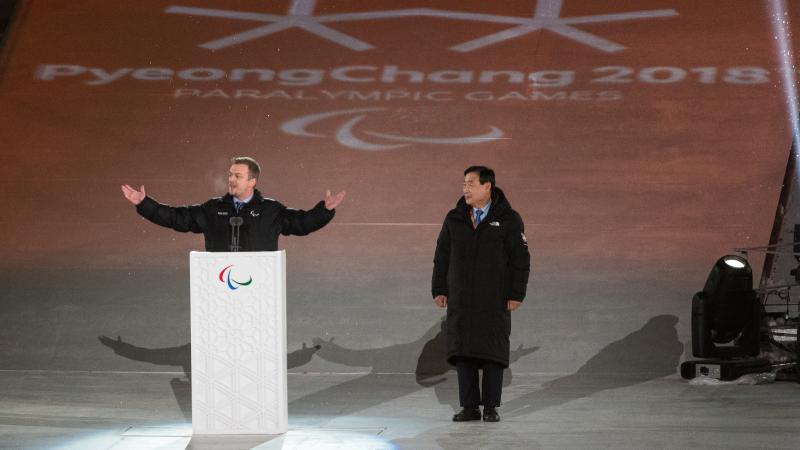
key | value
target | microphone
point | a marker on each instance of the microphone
(235, 222)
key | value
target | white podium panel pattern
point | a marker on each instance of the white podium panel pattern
(238, 318)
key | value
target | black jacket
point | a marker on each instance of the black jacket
(479, 270)
(263, 220)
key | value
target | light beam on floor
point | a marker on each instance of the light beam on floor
(781, 23)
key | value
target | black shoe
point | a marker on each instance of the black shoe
(467, 414)
(490, 415)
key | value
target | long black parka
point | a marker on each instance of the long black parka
(479, 270)
(263, 220)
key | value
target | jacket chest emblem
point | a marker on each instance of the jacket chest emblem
(495, 223)
(254, 213)
(222, 213)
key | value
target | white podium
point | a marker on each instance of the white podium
(238, 317)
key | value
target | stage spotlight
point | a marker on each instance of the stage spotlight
(726, 313)
(726, 319)
(735, 262)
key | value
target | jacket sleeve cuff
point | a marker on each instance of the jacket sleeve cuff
(329, 213)
(146, 207)
(517, 296)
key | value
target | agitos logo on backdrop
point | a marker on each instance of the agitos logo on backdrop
(342, 88)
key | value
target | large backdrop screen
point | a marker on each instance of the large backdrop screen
(638, 140)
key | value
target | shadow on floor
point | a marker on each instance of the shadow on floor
(649, 353)
(181, 356)
(424, 357)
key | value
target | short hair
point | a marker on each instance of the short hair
(253, 169)
(485, 174)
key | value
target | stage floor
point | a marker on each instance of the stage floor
(123, 410)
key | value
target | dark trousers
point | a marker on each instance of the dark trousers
(471, 392)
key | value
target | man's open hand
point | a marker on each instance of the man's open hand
(331, 201)
(133, 195)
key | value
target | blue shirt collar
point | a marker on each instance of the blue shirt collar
(485, 209)
(236, 201)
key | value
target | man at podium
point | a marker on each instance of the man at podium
(240, 220)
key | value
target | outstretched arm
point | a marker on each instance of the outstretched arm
(301, 223)
(179, 219)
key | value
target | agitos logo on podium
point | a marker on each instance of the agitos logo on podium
(226, 276)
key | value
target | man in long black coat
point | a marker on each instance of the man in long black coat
(480, 274)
